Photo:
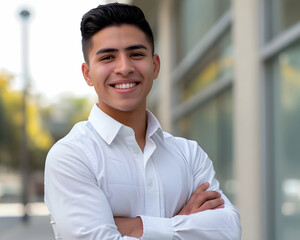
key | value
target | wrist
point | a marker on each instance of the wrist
(131, 227)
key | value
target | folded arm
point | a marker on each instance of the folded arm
(190, 223)
(200, 200)
(208, 213)
(220, 223)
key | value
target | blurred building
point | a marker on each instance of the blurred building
(230, 79)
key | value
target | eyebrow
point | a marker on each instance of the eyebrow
(111, 50)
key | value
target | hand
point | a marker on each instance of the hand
(131, 227)
(202, 200)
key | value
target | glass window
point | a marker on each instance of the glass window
(286, 88)
(211, 126)
(216, 64)
(285, 13)
(196, 17)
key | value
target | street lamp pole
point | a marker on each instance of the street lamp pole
(25, 14)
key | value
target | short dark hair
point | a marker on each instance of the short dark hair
(112, 14)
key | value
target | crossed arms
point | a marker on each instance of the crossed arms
(199, 201)
(81, 211)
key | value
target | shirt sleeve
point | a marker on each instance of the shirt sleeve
(222, 224)
(79, 208)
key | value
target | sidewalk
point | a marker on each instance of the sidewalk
(36, 228)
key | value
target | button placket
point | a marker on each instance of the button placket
(151, 190)
(131, 141)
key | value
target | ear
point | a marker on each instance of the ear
(86, 74)
(156, 62)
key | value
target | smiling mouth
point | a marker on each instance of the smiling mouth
(124, 85)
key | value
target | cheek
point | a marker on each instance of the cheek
(147, 70)
(99, 74)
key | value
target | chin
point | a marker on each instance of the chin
(126, 109)
(124, 106)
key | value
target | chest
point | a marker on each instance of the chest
(155, 183)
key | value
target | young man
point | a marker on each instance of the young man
(118, 175)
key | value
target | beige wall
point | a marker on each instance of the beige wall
(246, 116)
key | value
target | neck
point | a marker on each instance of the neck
(135, 119)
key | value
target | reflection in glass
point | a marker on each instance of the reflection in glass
(286, 69)
(285, 13)
(211, 126)
(216, 64)
(196, 18)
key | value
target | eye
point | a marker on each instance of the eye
(137, 55)
(107, 58)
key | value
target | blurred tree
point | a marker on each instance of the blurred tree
(39, 138)
(10, 115)
(61, 116)
(45, 125)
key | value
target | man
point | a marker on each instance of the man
(118, 175)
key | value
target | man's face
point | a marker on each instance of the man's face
(121, 68)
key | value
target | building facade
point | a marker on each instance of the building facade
(230, 79)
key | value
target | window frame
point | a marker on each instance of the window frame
(270, 47)
(181, 72)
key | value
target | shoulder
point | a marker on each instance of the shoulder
(71, 158)
(200, 165)
(189, 148)
(77, 146)
(76, 138)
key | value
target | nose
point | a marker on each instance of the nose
(124, 65)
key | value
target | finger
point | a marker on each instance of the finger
(222, 206)
(212, 204)
(209, 204)
(203, 187)
(205, 196)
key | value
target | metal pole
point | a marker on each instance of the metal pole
(25, 14)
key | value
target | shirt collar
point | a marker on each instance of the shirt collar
(153, 126)
(108, 128)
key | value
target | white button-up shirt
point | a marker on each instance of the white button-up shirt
(98, 171)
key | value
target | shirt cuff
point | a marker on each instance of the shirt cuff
(157, 228)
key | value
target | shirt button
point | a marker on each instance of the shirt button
(136, 151)
(150, 183)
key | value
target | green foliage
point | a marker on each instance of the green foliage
(61, 116)
(10, 126)
(45, 125)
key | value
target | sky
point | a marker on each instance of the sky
(54, 46)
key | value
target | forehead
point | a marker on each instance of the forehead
(119, 37)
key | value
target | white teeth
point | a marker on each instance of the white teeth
(125, 85)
